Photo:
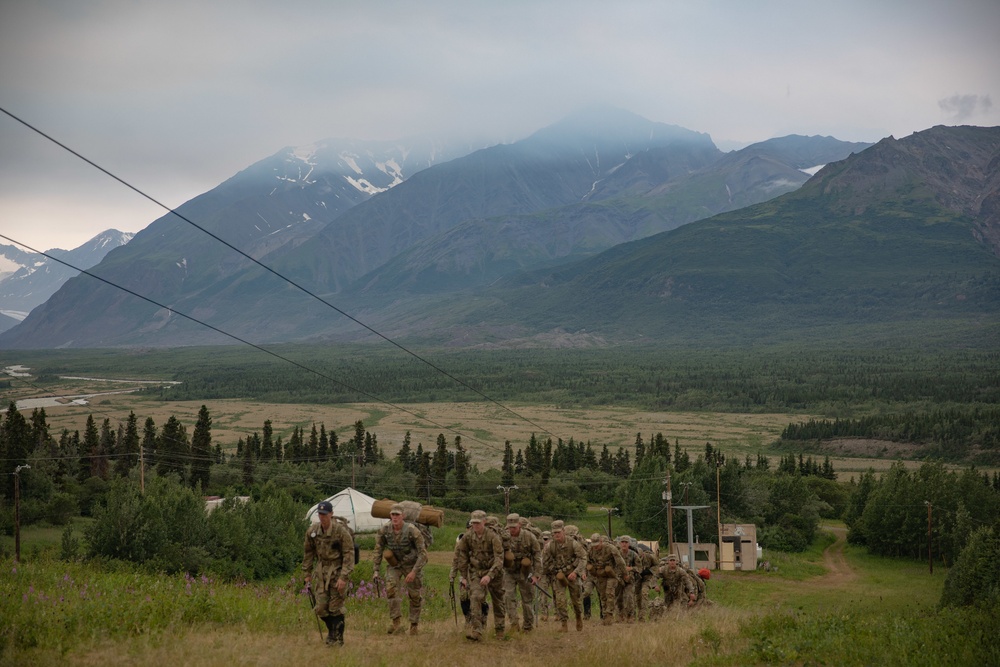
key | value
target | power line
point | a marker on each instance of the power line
(269, 269)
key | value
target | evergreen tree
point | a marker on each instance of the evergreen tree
(89, 449)
(323, 447)
(249, 465)
(547, 461)
(519, 463)
(681, 459)
(423, 473)
(335, 449)
(606, 464)
(266, 443)
(174, 449)
(590, 458)
(128, 447)
(404, 455)
(312, 449)
(15, 445)
(371, 449)
(439, 467)
(149, 440)
(461, 467)
(507, 468)
(622, 467)
(100, 462)
(201, 450)
(640, 449)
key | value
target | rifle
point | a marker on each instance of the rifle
(451, 594)
(535, 584)
(312, 608)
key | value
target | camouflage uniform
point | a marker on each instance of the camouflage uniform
(478, 556)
(329, 558)
(677, 585)
(405, 552)
(544, 602)
(522, 561)
(699, 584)
(563, 559)
(645, 583)
(606, 566)
(625, 596)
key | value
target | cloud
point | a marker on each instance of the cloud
(962, 107)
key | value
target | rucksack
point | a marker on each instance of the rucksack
(347, 524)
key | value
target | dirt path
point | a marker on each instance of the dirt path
(839, 572)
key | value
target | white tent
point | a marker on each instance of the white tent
(354, 506)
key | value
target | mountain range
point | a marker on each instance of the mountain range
(28, 279)
(600, 229)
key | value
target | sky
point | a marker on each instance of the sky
(176, 97)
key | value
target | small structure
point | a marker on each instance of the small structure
(704, 554)
(213, 502)
(354, 506)
(739, 546)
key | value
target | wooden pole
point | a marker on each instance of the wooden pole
(930, 561)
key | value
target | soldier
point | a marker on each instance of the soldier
(463, 589)
(644, 583)
(606, 566)
(587, 581)
(625, 596)
(677, 585)
(698, 579)
(543, 581)
(479, 561)
(329, 554)
(522, 564)
(565, 563)
(402, 543)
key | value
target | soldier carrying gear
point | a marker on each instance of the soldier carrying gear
(405, 553)
(521, 572)
(606, 566)
(479, 561)
(329, 555)
(625, 596)
(565, 564)
(543, 579)
(698, 579)
(677, 585)
(645, 582)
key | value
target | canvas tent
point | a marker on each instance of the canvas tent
(354, 506)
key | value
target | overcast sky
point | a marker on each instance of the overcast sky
(177, 96)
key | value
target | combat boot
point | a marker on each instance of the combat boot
(586, 607)
(579, 624)
(413, 628)
(338, 630)
(474, 635)
(395, 627)
(501, 635)
(331, 635)
(564, 626)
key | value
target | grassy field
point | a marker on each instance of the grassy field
(830, 605)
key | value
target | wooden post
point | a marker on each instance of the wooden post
(930, 561)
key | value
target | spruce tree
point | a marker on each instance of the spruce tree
(174, 449)
(461, 467)
(267, 443)
(323, 447)
(128, 447)
(201, 450)
(507, 467)
(89, 448)
(404, 455)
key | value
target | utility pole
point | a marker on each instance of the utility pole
(718, 515)
(930, 561)
(142, 472)
(609, 510)
(506, 496)
(667, 496)
(17, 511)
(686, 486)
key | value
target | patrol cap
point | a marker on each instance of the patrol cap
(572, 530)
(546, 535)
(477, 517)
(625, 538)
(396, 509)
(324, 507)
(513, 519)
(672, 557)
(595, 538)
(558, 525)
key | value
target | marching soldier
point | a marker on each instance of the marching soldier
(463, 593)
(522, 564)
(606, 566)
(479, 561)
(405, 553)
(698, 579)
(625, 596)
(543, 580)
(565, 563)
(644, 583)
(329, 555)
(677, 585)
